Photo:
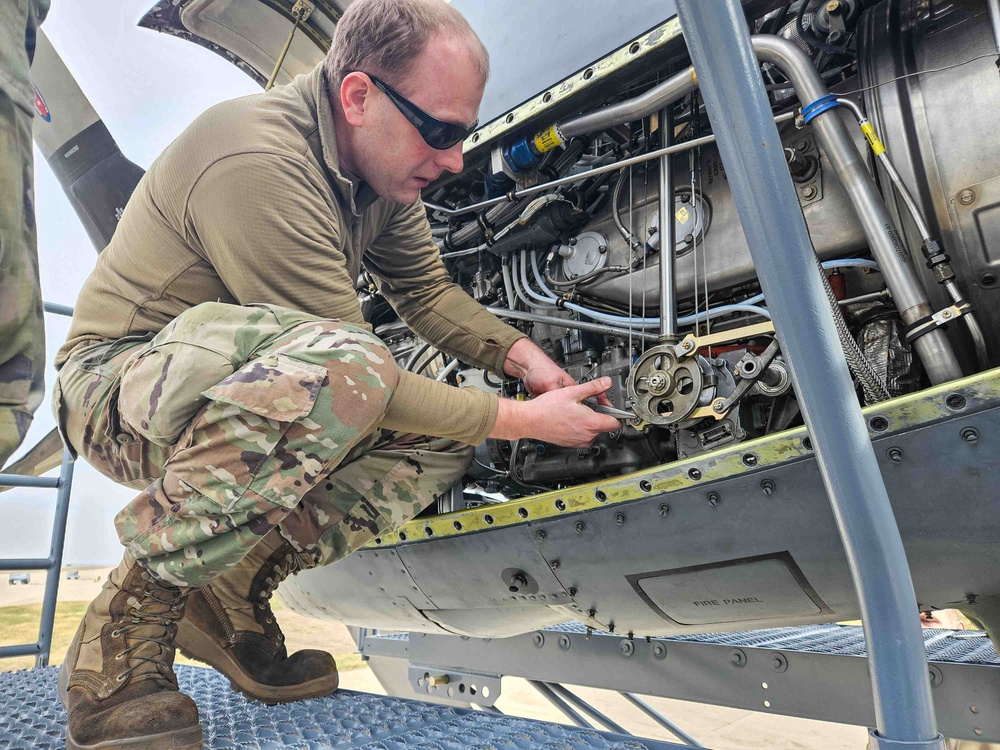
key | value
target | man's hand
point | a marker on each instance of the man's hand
(556, 416)
(526, 360)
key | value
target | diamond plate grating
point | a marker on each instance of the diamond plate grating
(31, 718)
(968, 647)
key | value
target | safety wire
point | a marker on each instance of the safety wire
(646, 125)
(631, 232)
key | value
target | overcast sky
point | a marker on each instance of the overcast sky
(147, 87)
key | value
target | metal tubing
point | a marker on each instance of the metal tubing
(729, 73)
(995, 21)
(20, 480)
(592, 712)
(668, 287)
(31, 563)
(560, 704)
(27, 649)
(47, 623)
(578, 325)
(516, 195)
(660, 719)
(656, 98)
(894, 262)
(57, 309)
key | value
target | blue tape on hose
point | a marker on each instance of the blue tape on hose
(818, 107)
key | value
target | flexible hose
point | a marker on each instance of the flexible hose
(874, 389)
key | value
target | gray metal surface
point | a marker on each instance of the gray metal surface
(31, 718)
(744, 524)
(729, 75)
(938, 152)
(815, 672)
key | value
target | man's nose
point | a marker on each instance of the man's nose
(451, 159)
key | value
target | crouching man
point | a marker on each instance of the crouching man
(219, 363)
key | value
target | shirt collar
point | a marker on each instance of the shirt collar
(358, 194)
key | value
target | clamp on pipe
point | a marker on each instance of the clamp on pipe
(818, 107)
(938, 320)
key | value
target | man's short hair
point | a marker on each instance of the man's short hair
(385, 37)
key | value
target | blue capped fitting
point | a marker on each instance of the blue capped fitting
(520, 156)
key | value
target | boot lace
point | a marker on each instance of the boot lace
(160, 605)
(280, 570)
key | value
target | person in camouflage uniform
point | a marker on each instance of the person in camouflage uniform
(218, 362)
(22, 330)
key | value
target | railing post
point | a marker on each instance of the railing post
(47, 623)
(730, 79)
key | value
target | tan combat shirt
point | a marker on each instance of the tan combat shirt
(250, 205)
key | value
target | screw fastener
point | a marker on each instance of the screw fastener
(768, 486)
(714, 498)
(966, 197)
(970, 435)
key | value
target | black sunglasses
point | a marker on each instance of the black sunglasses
(436, 133)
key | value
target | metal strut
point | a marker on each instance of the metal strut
(730, 78)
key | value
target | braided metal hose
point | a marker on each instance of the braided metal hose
(873, 387)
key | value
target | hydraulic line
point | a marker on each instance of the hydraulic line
(933, 347)
(873, 387)
(578, 325)
(515, 195)
(938, 261)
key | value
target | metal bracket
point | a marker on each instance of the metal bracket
(937, 320)
(302, 10)
(691, 343)
(480, 688)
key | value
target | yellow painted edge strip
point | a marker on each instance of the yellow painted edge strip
(510, 121)
(902, 413)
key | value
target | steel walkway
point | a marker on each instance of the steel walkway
(31, 718)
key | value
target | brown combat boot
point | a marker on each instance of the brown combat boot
(117, 682)
(230, 626)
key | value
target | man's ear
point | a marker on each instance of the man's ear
(354, 93)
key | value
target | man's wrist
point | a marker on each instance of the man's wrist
(513, 420)
(522, 354)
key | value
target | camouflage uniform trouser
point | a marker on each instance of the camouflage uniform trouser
(235, 420)
(22, 330)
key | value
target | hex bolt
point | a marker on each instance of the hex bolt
(809, 193)
(714, 498)
(627, 648)
(970, 435)
(580, 527)
(538, 639)
(966, 197)
(895, 455)
(768, 486)
(620, 519)
(664, 510)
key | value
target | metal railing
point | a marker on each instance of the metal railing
(53, 563)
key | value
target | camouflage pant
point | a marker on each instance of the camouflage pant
(235, 420)
(22, 330)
